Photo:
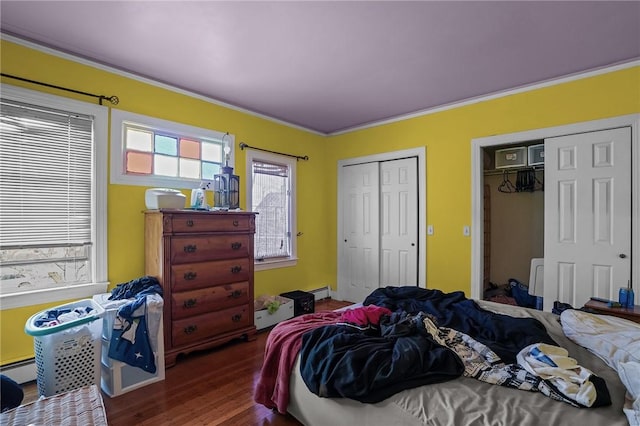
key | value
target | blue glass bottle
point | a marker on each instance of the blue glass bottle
(623, 296)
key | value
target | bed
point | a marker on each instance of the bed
(466, 400)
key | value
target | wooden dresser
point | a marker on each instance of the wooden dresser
(204, 262)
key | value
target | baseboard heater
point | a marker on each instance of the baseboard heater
(321, 293)
(21, 371)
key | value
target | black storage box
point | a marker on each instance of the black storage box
(303, 302)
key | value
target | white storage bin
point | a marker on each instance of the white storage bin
(263, 319)
(536, 155)
(118, 377)
(68, 354)
(511, 157)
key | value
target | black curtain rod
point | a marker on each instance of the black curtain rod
(113, 99)
(297, 157)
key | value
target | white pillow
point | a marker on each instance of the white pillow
(629, 373)
(614, 340)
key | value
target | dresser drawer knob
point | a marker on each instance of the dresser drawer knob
(236, 223)
(236, 317)
(191, 248)
(190, 329)
(236, 269)
(190, 303)
(190, 276)
(235, 294)
(236, 245)
(189, 222)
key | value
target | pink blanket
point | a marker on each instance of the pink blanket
(365, 315)
(281, 350)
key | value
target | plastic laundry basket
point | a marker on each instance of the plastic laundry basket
(67, 354)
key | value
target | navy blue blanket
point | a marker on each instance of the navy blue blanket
(505, 335)
(371, 365)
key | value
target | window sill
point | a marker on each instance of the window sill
(273, 264)
(19, 300)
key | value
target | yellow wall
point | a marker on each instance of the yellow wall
(446, 136)
(126, 203)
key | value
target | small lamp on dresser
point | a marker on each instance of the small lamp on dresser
(226, 185)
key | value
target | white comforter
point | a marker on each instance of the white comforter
(617, 342)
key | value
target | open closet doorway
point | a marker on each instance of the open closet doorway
(381, 222)
(513, 204)
(593, 207)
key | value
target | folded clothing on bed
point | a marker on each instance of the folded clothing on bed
(562, 377)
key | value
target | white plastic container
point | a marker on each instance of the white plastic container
(511, 157)
(536, 155)
(164, 198)
(118, 377)
(263, 319)
(67, 355)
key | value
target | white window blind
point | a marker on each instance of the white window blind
(45, 170)
(46, 176)
(271, 199)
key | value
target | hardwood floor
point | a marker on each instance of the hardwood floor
(213, 387)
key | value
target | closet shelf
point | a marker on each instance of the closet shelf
(494, 172)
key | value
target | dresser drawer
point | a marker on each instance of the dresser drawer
(196, 302)
(197, 223)
(191, 276)
(198, 249)
(197, 328)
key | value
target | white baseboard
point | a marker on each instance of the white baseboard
(321, 293)
(21, 372)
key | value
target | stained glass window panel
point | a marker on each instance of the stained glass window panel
(165, 166)
(209, 169)
(139, 162)
(139, 140)
(166, 145)
(211, 152)
(189, 168)
(189, 149)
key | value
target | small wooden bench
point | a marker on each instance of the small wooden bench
(81, 407)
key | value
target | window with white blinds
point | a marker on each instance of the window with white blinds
(48, 218)
(45, 170)
(272, 196)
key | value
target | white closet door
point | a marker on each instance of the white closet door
(399, 222)
(360, 215)
(587, 216)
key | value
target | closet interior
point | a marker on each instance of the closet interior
(513, 204)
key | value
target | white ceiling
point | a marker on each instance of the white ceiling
(334, 65)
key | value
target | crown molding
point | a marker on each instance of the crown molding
(457, 104)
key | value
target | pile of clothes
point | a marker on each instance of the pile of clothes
(134, 330)
(54, 317)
